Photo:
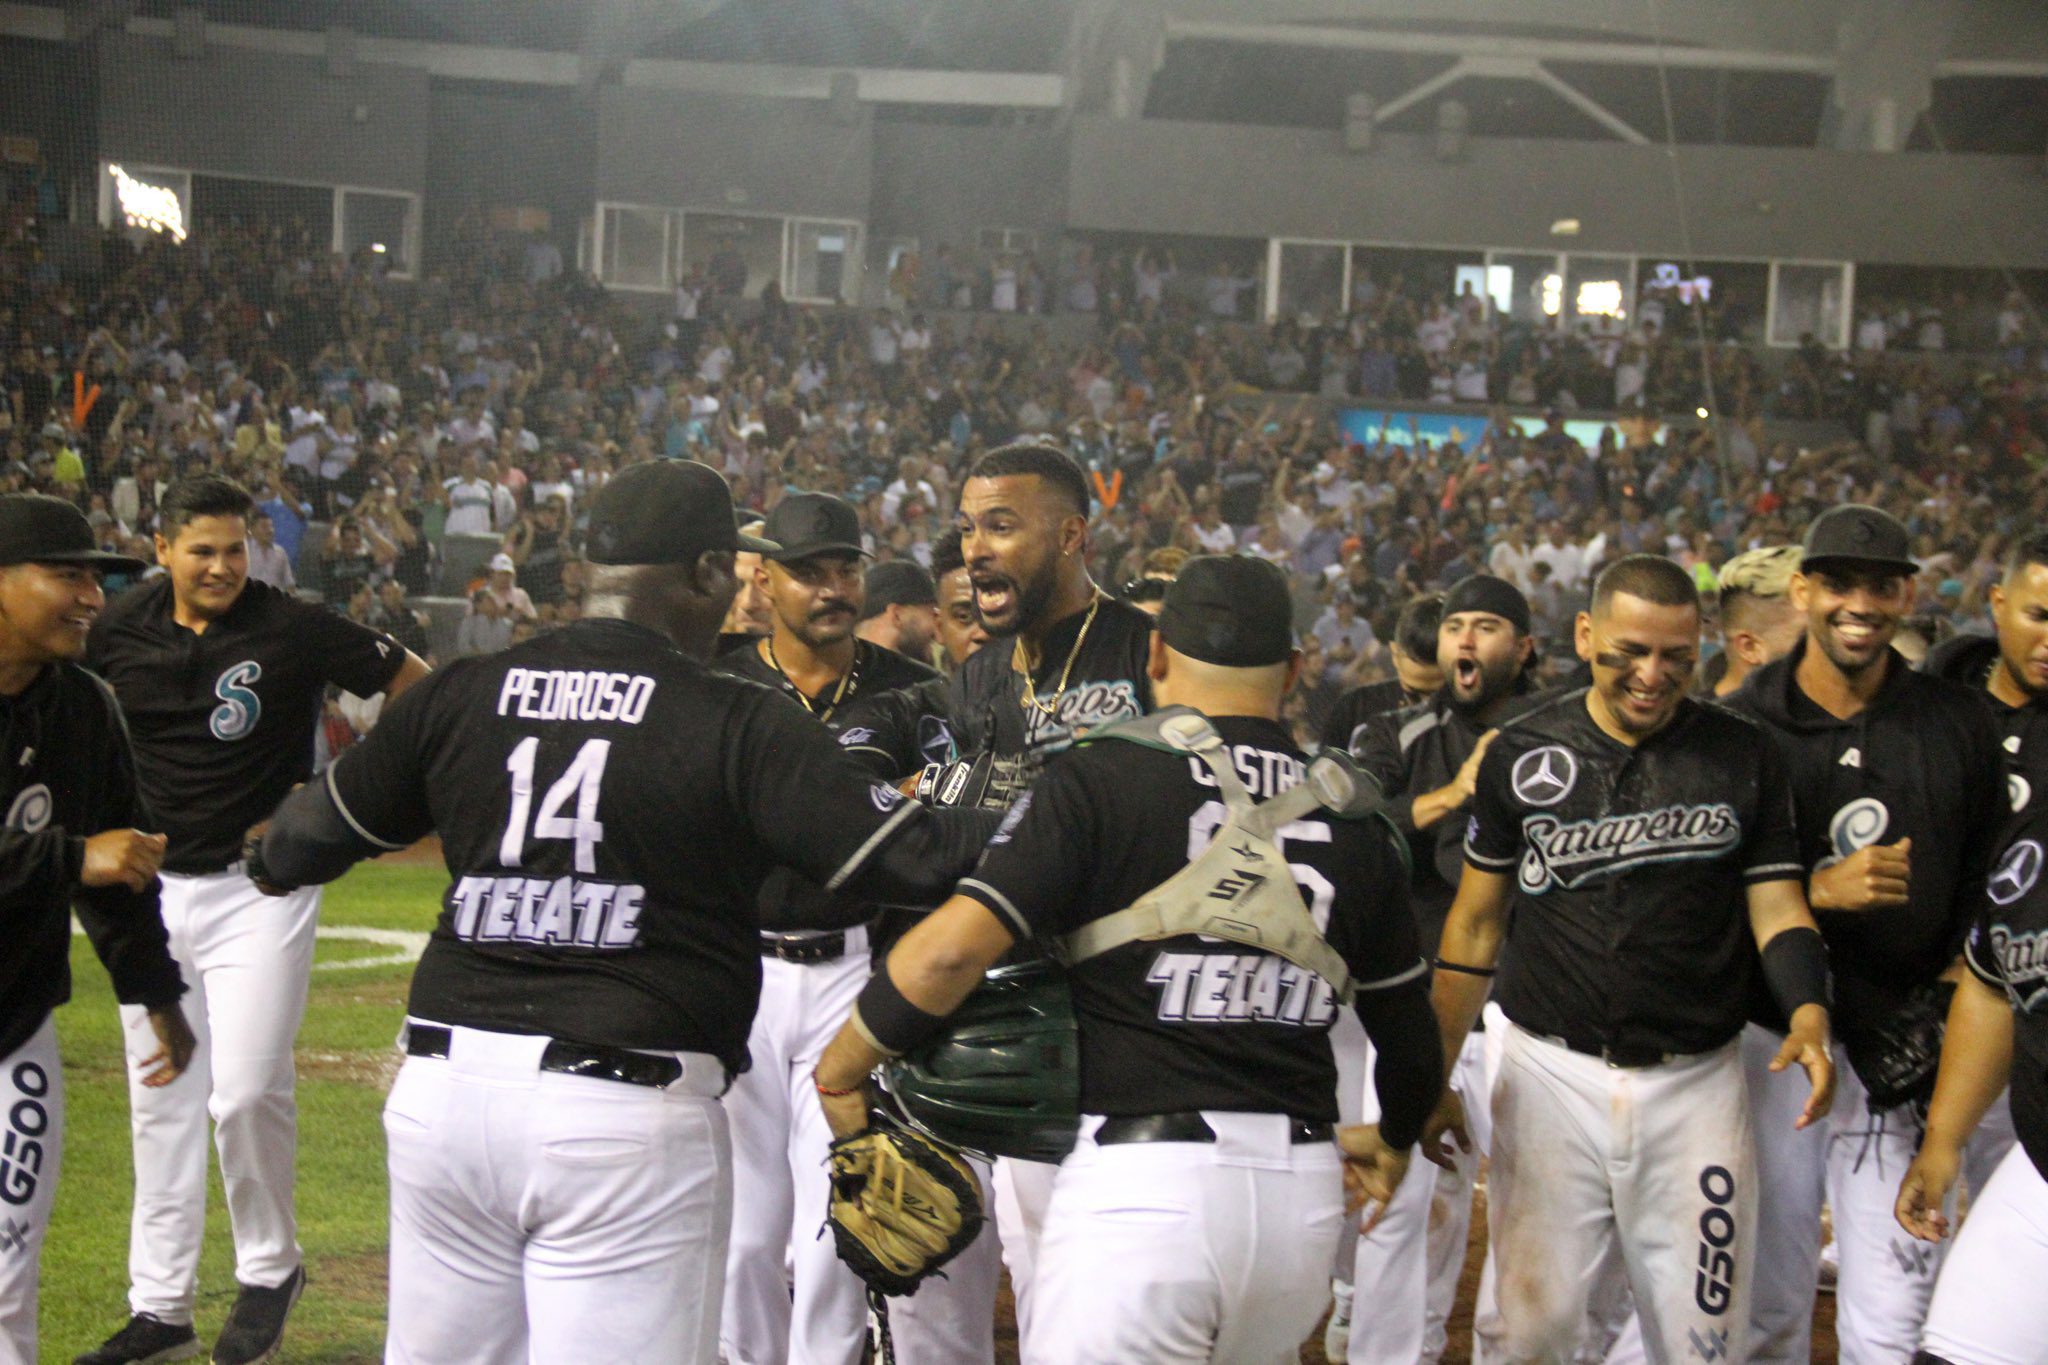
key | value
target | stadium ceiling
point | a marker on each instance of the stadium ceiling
(1884, 75)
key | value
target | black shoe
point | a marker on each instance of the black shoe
(255, 1325)
(143, 1341)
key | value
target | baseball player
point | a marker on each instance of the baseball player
(1416, 676)
(814, 588)
(1426, 758)
(222, 680)
(1062, 658)
(959, 627)
(1645, 842)
(561, 1172)
(1897, 794)
(749, 617)
(1758, 621)
(69, 841)
(902, 609)
(1987, 1307)
(2011, 666)
(1196, 1218)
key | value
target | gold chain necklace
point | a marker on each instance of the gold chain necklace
(838, 695)
(1050, 709)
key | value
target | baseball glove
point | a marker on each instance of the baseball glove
(902, 1206)
(1897, 1058)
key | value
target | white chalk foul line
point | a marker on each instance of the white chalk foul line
(406, 945)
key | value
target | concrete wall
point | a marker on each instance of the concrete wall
(529, 148)
(262, 115)
(732, 153)
(1227, 180)
(940, 182)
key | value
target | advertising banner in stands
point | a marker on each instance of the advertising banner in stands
(1403, 426)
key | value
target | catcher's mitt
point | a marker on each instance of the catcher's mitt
(1897, 1058)
(902, 1206)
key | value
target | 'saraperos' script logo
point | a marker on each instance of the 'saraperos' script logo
(1544, 777)
(1569, 854)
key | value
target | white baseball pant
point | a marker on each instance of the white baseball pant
(951, 1319)
(1652, 1163)
(1405, 1275)
(1988, 1307)
(246, 958)
(1023, 1198)
(781, 1183)
(537, 1216)
(31, 1146)
(1853, 1161)
(1168, 1252)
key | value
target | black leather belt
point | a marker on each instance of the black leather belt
(1625, 1058)
(805, 950)
(571, 1059)
(1192, 1127)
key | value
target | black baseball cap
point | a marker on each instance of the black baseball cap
(1860, 534)
(899, 582)
(807, 524)
(1494, 596)
(1232, 610)
(35, 529)
(665, 512)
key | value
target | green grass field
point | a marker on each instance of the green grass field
(345, 1057)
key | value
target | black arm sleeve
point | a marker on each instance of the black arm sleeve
(309, 840)
(126, 927)
(1409, 1073)
(919, 862)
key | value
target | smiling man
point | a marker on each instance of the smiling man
(222, 679)
(1644, 842)
(69, 793)
(1898, 795)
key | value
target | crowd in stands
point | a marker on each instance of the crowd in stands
(379, 417)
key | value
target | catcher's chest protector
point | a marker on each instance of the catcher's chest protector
(1240, 888)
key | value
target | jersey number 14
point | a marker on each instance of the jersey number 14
(582, 780)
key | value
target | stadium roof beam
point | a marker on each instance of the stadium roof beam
(1510, 68)
(467, 61)
(1629, 53)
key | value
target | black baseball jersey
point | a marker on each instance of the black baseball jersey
(2008, 951)
(66, 774)
(223, 721)
(1630, 925)
(1411, 752)
(891, 715)
(1922, 760)
(608, 807)
(1187, 1022)
(1344, 728)
(1968, 659)
(887, 720)
(1107, 683)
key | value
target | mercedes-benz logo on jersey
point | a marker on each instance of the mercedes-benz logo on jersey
(31, 810)
(1544, 777)
(2016, 872)
(1859, 824)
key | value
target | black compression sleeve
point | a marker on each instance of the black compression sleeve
(1796, 967)
(309, 841)
(1409, 1074)
(920, 860)
(890, 1021)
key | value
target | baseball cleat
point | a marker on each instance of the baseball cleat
(144, 1340)
(255, 1326)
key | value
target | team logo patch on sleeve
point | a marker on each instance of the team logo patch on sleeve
(856, 735)
(1545, 776)
(885, 797)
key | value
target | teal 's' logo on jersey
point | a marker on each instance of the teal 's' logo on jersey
(239, 707)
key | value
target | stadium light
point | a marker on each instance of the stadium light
(1553, 294)
(154, 208)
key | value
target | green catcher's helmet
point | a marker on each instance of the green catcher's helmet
(1003, 1078)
